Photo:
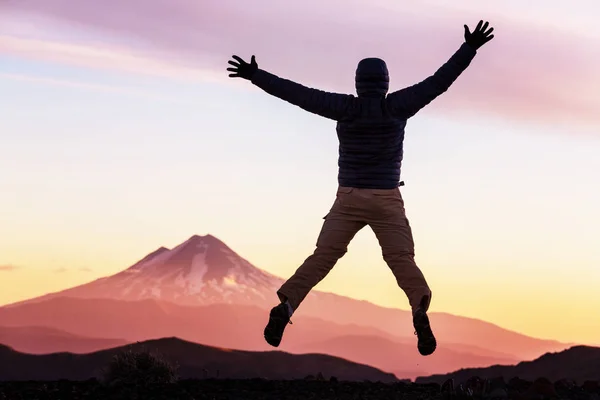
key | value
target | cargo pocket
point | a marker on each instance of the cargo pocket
(344, 190)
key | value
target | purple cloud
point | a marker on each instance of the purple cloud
(526, 73)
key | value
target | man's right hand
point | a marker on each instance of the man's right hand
(479, 36)
(242, 68)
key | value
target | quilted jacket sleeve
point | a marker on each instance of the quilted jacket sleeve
(329, 105)
(407, 102)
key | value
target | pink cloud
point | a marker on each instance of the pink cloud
(103, 57)
(91, 56)
(526, 72)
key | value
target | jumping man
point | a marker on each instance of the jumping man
(370, 129)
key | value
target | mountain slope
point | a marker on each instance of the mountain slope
(194, 361)
(41, 340)
(224, 325)
(204, 271)
(241, 327)
(578, 363)
(402, 359)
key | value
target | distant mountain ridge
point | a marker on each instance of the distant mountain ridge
(43, 339)
(194, 360)
(578, 363)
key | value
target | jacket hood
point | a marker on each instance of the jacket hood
(372, 78)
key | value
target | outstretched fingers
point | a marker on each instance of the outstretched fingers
(487, 35)
(238, 59)
(241, 69)
(479, 25)
(236, 68)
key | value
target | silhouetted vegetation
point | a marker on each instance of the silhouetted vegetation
(136, 373)
(310, 388)
(141, 368)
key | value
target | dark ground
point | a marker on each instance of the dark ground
(254, 389)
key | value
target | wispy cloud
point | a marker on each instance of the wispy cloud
(94, 87)
(62, 270)
(8, 267)
(105, 57)
(92, 56)
(527, 72)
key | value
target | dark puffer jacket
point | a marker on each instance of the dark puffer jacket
(370, 127)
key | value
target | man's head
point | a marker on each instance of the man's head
(372, 79)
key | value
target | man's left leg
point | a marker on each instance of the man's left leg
(393, 231)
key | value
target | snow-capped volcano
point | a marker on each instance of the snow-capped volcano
(202, 270)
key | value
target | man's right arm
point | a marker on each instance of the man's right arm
(329, 105)
(407, 102)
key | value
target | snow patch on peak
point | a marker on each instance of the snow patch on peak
(229, 281)
(132, 271)
(197, 271)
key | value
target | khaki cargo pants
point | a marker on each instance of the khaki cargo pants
(353, 209)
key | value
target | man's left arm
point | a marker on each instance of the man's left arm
(408, 101)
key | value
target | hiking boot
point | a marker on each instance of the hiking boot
(426, 341)
(278, 320)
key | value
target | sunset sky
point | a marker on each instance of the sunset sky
(120, 132)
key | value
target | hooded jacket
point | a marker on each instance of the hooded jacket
(370, 127)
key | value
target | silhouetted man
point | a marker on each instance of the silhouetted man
(370, 130)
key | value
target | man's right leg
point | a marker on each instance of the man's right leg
(338, 230)
(332, 244)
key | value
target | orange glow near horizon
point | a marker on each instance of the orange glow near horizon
(519, 305)
(118, 138)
